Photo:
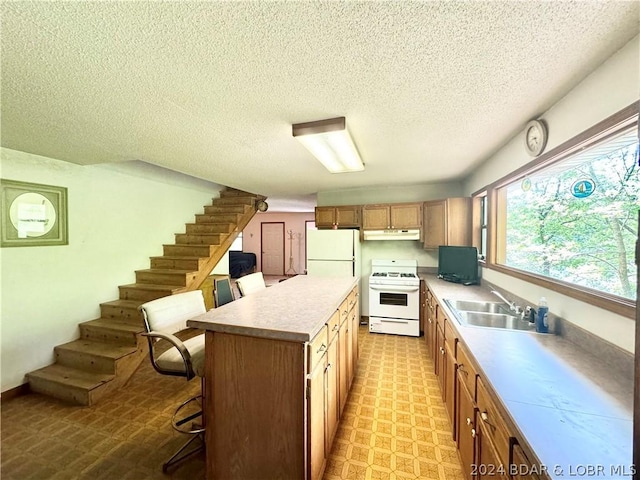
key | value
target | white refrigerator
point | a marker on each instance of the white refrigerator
(333, 253)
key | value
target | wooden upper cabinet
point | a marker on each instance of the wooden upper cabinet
(345, 216)
(394, 216)
(375, 217)
(447, 222)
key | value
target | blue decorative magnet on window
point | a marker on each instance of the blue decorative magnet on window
(583, 188)
(526, 184)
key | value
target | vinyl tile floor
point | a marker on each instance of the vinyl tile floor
(394, 426)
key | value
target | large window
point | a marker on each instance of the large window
(577, 220)
(573, 219)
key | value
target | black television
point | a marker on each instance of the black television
(458, 264)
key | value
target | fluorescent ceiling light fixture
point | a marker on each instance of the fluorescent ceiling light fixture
(329, 141)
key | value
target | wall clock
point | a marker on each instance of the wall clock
(535, 137)
(262, 206)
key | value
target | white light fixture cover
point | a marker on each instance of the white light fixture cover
(329, 141)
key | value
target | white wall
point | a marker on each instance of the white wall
(610, 88)
(119, 216)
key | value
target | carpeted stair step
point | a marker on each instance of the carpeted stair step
(218, 217)
(161, 276)
(228, 209)
(146, 292)
(125, 311)
(200, 238)
(111, 331)
(235, 200)
(197, 228)
(67, 383)
(92, 356)
(189, 250)
(178, 263)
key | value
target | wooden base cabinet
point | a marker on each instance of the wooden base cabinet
(488, 463)
(466, 429)
(316, 400)
(521, 467)
(332, 400)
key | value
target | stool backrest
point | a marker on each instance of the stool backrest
(251, 283)
(223, 292)
(170, 314)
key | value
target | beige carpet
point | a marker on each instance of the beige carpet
(394, 426)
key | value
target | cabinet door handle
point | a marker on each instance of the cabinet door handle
(461, 369)
(328, 367)
(442, 350)
(485, 418)
(468, 421)
(322, 348)
(473, 433)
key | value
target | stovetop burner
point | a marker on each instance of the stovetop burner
(394, 272)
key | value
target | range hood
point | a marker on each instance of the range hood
(411, 234)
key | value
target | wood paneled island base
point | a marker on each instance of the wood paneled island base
(269, 383)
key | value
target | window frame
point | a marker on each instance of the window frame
(496, 196)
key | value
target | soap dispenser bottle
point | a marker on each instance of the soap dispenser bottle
(542, 322)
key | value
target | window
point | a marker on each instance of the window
(574, 219)
(483, 226)
(480, 207)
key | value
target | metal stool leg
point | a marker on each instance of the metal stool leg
(196, 430)
(181, 454)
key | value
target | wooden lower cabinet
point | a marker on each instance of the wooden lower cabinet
(450, 385)
(332, 400)
(354, 318)
(466, 429)
(316, 391)
(343, 376)
(521, 467)
(439, 360)
(488, 463)
(430, 325)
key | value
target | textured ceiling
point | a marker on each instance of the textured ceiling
(211, 89)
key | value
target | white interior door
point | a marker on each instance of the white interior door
(272, 241)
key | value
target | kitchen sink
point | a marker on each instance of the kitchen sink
(495, 320)
(487, 307)
(487, 314)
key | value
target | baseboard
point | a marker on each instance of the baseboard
(15, 392)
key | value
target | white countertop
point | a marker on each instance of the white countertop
(574, 412)
(294, 310)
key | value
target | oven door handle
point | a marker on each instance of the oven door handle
(395, 288)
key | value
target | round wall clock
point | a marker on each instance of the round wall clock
(535, 137)
(262, 206)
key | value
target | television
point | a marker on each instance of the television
(458, 264)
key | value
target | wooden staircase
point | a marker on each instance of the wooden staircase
(110, 348)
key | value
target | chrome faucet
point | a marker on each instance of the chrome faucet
(512, 305)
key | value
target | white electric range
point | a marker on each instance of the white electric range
(394, 297)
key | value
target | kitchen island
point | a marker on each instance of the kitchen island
(271, 377)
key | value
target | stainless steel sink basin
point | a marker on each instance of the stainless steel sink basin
(487, 314)
(495, 320)
(488, 307)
